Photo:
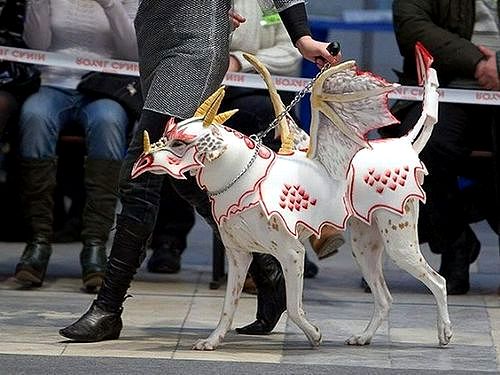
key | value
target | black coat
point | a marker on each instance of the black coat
(445, 28)
(11, 22)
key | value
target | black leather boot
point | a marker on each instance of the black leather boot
(271, 295)
(101, 188)
(33, 263)
(97, 324)
(102, 321)
(166, 257)
(93, 261)
(37, 184)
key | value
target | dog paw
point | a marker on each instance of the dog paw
(358, 340)
(444, 333)
(204, 344)
(316, 339)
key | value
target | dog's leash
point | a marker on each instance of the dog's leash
(333, 48)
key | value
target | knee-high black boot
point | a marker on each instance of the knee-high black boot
(37, 183)
(101, 187)
(271, 295)
(103, 319)
(265, 269)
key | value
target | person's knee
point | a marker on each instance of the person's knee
(109, 117)
(37, 112)
(106, 124)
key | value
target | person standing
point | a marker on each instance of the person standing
(463, 37)
(272, 46)
(183, 57)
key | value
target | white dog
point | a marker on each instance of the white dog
(271, 202)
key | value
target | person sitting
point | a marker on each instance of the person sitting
(100, 28)
(464, 39)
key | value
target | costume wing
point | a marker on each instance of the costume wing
(346, 104)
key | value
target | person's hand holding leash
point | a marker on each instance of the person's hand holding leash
(319, 52)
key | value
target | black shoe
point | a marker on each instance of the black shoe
(271, 295)
(96, 324)
(310, 269)
(33, 263)
(93, 261)
(166, 258)
(258, 327)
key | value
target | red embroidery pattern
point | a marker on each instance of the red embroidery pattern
(264, 153)
(173, 160)
(250, 144)
(391, 179)
(294, 197)
(172, 132)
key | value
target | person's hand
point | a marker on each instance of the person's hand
(105, 3)
(316, 52)
(486, 70)
(234, 64)
(235, 18)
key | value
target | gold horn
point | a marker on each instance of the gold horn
(205, 106)
(212, 112)
(221, 118)
(147, 144)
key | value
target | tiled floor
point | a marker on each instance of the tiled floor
(169, 312)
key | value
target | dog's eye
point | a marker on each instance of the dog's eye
(177, 143)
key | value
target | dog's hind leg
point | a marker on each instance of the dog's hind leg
(367, 249)
(401, 243)
(238, 264)
(292, 263)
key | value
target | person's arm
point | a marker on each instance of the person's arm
(121, 20)
(413, 21)
(37, 31)
(294, 16)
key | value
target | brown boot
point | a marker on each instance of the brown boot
(328, 243)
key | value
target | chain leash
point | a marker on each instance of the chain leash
(258, 137)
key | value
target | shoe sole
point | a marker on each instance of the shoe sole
(112, 336)
(331, 246)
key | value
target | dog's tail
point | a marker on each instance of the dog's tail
(422, 130)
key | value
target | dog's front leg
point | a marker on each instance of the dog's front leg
(238, 263)
(291, 257)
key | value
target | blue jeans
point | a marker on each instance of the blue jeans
(45, 113)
